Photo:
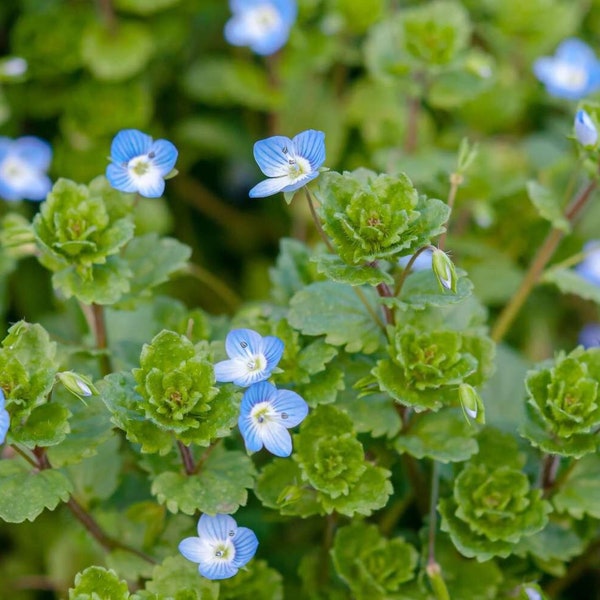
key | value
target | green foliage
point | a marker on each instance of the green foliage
(424, 369)
(97, 583)
(219, 487)
(563, 404)
(25, 493)
(372, 566)
(492, 509)
(370, 216)
(548, 205)
(580, 491)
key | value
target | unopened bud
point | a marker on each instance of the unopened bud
(77, 384)
(471, 403)
(585, 130)
(444, 270)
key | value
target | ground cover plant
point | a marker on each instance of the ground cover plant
(299, 300)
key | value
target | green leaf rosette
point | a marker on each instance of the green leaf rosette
(425, 368)
(370, 216)
(491, 510)
(176, 383)
(80, 230)
(564, 404)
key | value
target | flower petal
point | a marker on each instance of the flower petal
(272, 351)
(277, 439)
(310, 144)
(268, 187)
(216, 528)
(575, 51)
(120, 178)
(218, 569)
(4, 424)
(165, 156)
(230, 370)
(243, 343)
(36, 152)
(292, 405)
(271, 42)
(272, 155)
(246, 543)
(263, 391)
(151, 185)
(250, 432)
(36, 188)
(128, 144)
(192, 549)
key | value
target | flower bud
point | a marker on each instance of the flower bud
(77, 384)
(444, 270)
(471, 403)
(585, 130)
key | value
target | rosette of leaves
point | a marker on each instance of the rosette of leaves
(424, 368)
(370, 216)
(372, 566)
(80, 230)
(28, 367)
(564, 404)
(491, 509)
(176, 381)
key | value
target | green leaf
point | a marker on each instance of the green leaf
(90, 427)
(335, 269)
(144, 7)
(231, 82)
(256, 581)
(178, 578)
(579, 493)
(374, 567)
(118, 393)
(152, 261)
(24, 494)
(334, 309)
(98, 583)
(219, 487)
(99, 284)
(444, 436)
(47, 425)
(117, 53)
(557, 541)
(375, 414)
(548, 205)
(422, 289)
(570, 282)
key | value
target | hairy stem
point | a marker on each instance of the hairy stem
(94, 314)
(433, 500)
(186, 458)
(541, 259)
(548, 472)
(408, 268)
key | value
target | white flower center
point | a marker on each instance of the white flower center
(570, 76)
(217, 551)
(262, 20)
(17, 173)
(256, 363)
(298, 167)
(143, 170)
(262, 413)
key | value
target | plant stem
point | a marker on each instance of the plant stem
(221, 289)
(206, 455)
(186, 458)
(330, 521)
(92, 526)
(94, 315)
(408, 268)
(433, 499)
(384, 291)
(108, 14)
(456, 180)
(548, 472)
(541, 259)
(317, 221)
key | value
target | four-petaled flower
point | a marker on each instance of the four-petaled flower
(585, 129)
(572, 73)
(23, 166)
(266, 414)
(290, 164)
(221, 547)
(263, 25)
(589, 267)
(139, 163)
(4, 419)
(252, 357)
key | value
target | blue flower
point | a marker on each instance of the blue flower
(290, 164)
(589, 336)
(572, 73)
(23, 166)
(266, 414)
(221, 547)
(252, 357)
(589, 267)
(263, 25)
(4, 419)
(585, 130)
(140, 164)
